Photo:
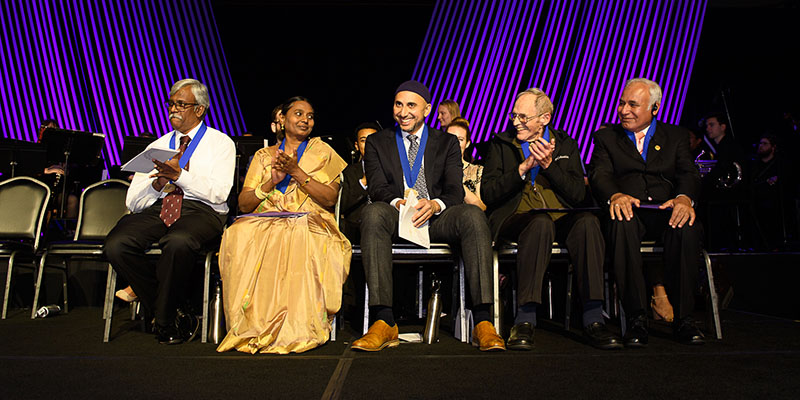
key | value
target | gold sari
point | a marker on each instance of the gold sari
(282, 277)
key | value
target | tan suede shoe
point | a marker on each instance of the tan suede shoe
(379, 336)
(486, 338)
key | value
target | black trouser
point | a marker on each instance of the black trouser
(161, 286)
(535, 232)
(463, 226)
(682, 252)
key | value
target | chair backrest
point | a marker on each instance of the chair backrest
(102, 205)
(23, 204)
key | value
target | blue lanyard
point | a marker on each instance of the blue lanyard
(647, 137)
(409, 172)
(526, 151)
(192, 145)
(282, 185)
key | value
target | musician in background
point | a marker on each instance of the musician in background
(52, 176)
(723, 192)
(770, 182)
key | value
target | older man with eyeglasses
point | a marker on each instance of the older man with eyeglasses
(532, 179)
(181, 205)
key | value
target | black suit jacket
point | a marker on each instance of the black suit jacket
(443, 173)
(617, 166)
(354, 198)
(501, 186)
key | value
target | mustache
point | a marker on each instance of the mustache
(175, 115)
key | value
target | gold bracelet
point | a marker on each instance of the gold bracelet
(305, 182)
(260, 193)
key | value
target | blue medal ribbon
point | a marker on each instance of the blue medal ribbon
(411, 173)
(190, 148)
(282, 185)
(526, 151)
(647, 136)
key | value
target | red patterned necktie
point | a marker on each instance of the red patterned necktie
(171, 205)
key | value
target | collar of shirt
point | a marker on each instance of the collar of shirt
(418, 133)
(191, 132)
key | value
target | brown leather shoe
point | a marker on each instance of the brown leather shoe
(379, 336)
(486, 338)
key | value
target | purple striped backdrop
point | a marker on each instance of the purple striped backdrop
(482, 53)
(107, 66)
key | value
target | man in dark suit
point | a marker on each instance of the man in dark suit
(354, 186)
(643, 171)
(392, 167)
(529, 169)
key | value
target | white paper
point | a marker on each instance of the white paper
(406, 228)
(143, 162)
(410, 337)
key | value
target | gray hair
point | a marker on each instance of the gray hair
(199, 90)
(653, 88)
(543, 103)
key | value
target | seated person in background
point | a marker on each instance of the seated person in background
(446, 112)
(181, 205)
(414, 156)
(282, 276)
(770, 180)
(533, 167)
(646, 162)
(472, 172)
(354, 187)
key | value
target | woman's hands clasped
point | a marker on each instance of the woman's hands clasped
(283, 163)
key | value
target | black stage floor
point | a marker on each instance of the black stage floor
(64, 357)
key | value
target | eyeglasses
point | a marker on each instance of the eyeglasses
(522, 117)
(180, 105)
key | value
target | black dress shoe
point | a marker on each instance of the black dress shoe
(686, 331)
(600, 337)
(187, 324)
(636, 334)
(521, 337)
(168, 335)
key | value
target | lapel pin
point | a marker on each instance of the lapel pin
(657, 147)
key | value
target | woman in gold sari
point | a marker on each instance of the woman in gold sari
(282, 274)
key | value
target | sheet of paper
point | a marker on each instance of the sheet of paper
(406, 228)
(410, 337)
(143, 162)
(278, 214)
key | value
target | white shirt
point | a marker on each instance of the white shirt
(407, 145)
(208, 180)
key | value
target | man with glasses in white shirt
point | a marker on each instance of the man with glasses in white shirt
(181, 205)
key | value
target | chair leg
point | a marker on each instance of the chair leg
(549, 297)
(496, 291)
(366, 309)
(420, 291)
(64, 288)
(712, 290)
(38, 285)
(108, 308)
(568, 306)
(206, 288)
(8, 282)
(466, 336)
(333, 328)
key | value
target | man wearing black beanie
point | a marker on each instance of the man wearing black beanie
(392, 167)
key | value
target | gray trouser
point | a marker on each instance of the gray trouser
(463, 227)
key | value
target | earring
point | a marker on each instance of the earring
(283, 128)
